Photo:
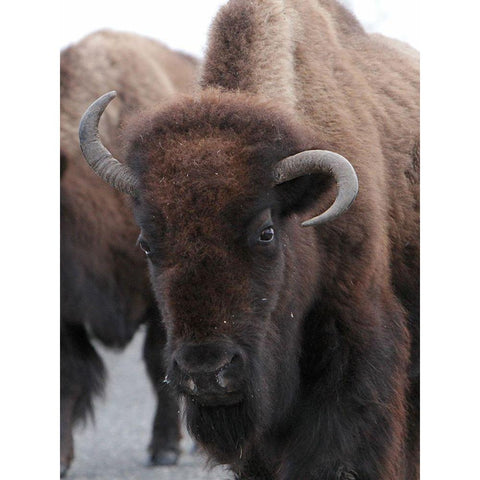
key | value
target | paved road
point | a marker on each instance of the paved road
(115, 447)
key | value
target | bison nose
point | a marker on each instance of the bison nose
(203, 358)
(206, 370)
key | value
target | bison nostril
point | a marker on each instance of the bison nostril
(225, 376)
(235, 359)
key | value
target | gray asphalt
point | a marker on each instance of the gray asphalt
(114, 448)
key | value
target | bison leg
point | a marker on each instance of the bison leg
(164, 446)
(81, 377)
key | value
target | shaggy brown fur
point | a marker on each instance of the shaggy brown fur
(104, 288)
(315, 331)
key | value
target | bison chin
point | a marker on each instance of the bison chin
(224, 430)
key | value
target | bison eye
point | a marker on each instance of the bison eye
(144, 246)
(267, 235)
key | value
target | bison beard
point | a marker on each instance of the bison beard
(221, 430)
(228, 433)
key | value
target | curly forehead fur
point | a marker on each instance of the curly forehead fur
(212, 150)
(256, 123)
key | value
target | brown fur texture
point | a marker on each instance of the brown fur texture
(104, 286)
(314, 333)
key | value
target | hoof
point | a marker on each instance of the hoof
(164, 458)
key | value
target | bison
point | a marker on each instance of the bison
(291, 319)
(105, 290)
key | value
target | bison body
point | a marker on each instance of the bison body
(296, 349)
(105, 291)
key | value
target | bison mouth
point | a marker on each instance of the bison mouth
(214, 399)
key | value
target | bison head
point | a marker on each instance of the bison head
(218, 185)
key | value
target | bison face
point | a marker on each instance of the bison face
(217, 194)
(217, 289)
(221, 258)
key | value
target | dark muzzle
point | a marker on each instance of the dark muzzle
(210, 373)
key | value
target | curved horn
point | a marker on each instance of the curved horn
(321, 161)
(98, 157)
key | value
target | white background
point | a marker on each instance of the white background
(183, 24)
(31, 35)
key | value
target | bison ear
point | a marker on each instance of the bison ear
(309, 165)
(300, 194)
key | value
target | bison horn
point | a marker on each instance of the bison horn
(321, 161)
(117, 175)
